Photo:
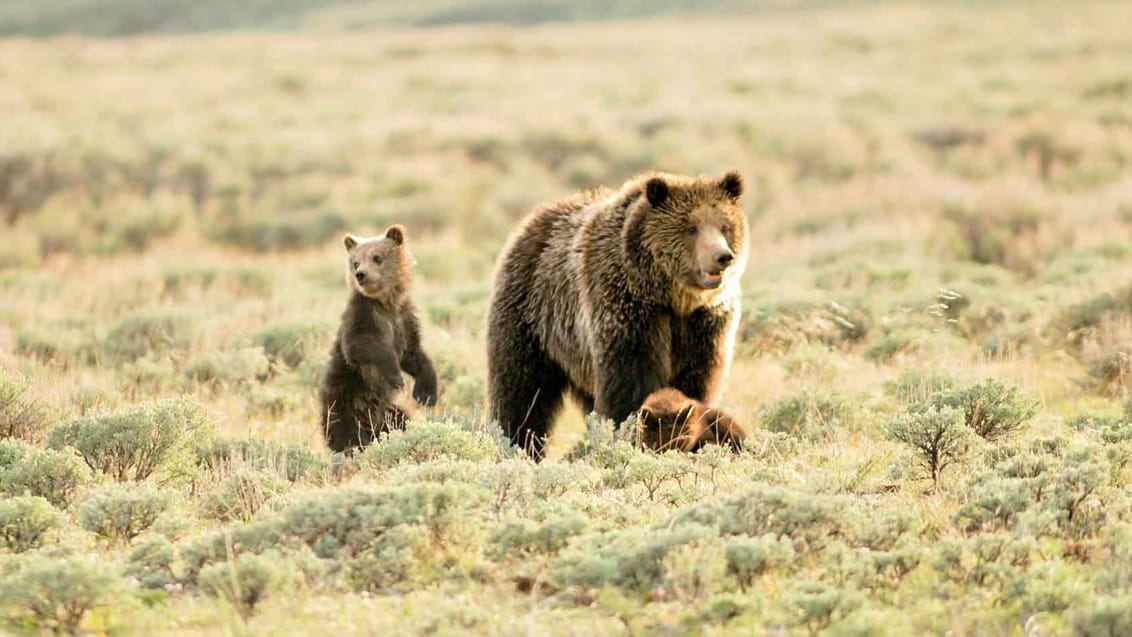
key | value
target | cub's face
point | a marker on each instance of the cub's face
(376, 267)
(701, 230)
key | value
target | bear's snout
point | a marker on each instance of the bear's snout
(360, 275)
(724, 258)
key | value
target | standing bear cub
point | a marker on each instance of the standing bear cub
(611, 295)
(379, 337)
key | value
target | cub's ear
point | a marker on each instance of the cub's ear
(350, 241)
(657, 191)
(396, 233)
(732, 184)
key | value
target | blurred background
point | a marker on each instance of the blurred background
(933, 188)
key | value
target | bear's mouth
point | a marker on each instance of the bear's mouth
(709, 280)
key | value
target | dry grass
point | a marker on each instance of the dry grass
(891, 150)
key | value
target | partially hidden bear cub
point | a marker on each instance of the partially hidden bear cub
(670, 420)
(379, 337)
(610, 295)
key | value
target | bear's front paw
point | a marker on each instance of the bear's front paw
(424, 395)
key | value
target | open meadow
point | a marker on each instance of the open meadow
(934, 364)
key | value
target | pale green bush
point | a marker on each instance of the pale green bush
(137, 442)
(122, 511)
(241, 494)
(422, 441)
(808, 415)
(21, 417)
(151, 561)
(247, 580)
(56, 475)
(937, 435)
(56, 594)
(25, 521)
(149, 331)
(289, 460)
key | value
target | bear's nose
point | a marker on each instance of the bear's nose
(360, 276)
(724, 259)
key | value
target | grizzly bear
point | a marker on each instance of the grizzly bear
(611, 295)
(378, 338)
(670, 420)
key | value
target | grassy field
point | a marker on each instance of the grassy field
(934, 361)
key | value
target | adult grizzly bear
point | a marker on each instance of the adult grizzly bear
(379, 337)
(612, 295)
(670, 420)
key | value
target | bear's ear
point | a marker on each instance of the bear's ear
(657, 191)
(732, 184)
(396, 233)
(350, 241)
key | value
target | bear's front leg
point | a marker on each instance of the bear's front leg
(630, 365)
(417, 364)
(701, 352)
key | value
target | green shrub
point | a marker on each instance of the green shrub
(808, 415)
(382, 534)
(809, 520)
(1009, 234)
(25, 522)
(1053, 491)
(241, 494)
(816, 605)
(247, 580)
(137, 442)
(992, 408)
(749, 557)
(422, 441)
(240, 367)
(1111, 372)
(54, 475)
(151, 562)
(289, 460)
(993, 562)
(122, 511)
(1107, 617)
(632, 559)
(1081, 320)
(938, 435)
(695, 570)
(150, 331)
(21, 417)
(56, 593)
(290, 342)
(11, 452)
(546, 536)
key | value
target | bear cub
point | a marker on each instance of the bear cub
(379, 337)
(670, 420)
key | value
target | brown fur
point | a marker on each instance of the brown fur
(670, 420)
(612, 295)
(378, 338)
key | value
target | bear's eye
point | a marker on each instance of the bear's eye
(726, 229)
(377, 259)
(355, 265)
(690, 229)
